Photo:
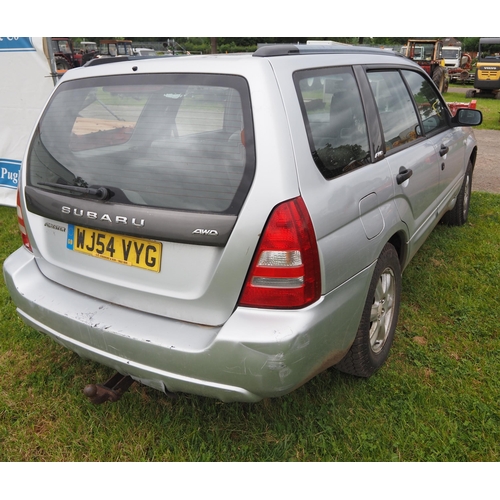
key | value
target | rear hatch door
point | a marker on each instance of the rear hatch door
(134, 184)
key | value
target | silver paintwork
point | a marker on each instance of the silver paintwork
(255, 354)
(181, 329)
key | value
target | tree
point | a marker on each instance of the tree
(470, 44)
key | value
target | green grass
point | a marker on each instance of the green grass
(488, 106)
(436, 399)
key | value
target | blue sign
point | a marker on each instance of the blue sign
(9, 173)
(16, 44)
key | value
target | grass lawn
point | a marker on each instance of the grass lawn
(435, 400)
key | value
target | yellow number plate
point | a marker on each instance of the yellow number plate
(135, 252)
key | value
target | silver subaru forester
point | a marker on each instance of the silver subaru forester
(232, 225)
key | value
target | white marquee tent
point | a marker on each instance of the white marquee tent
(26, 82)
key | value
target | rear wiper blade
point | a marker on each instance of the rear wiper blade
(101, 193)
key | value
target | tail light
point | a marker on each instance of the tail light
(285, 271)
(22, 225)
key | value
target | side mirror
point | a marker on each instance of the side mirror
(467, 117)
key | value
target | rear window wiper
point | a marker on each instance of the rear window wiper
(100, 193)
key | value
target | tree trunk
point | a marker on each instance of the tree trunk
(213, 45)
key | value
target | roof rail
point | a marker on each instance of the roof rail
(489, 40)
(107, 60)
(301, 49)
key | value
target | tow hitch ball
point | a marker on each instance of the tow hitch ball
(111, 391)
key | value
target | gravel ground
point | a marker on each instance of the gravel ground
(487, 171)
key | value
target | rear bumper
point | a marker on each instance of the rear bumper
(255, 354)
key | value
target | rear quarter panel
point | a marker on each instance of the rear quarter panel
(353, 215)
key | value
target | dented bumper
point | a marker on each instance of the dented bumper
(255, 354)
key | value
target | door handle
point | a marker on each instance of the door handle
(404, 175)
(444, 149)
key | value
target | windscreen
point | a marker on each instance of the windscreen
(450, 53)
(181, 142)
(489, 52)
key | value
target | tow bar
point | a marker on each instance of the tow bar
(111, 391)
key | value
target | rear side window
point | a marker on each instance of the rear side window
(334, 119)
(170, 141)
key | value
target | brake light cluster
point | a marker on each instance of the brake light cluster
(285, 271)
(22, 225)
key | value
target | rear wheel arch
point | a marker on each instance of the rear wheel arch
(398, 241)
(375, 334)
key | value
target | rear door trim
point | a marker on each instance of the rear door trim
(146, 222)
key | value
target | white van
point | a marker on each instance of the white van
(144, 52)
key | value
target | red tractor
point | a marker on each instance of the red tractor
(66, 57)
(64, 54)
(428, 55)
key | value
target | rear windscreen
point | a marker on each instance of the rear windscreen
(173, 141)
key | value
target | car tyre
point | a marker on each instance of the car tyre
(375, 335)
(458, 215)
